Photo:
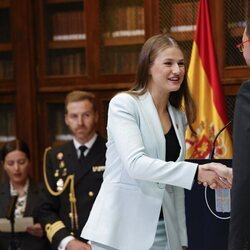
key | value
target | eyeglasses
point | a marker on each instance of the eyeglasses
(240, 46)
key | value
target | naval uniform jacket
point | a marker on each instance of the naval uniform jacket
(63, 161)
(25, 240)
(137, 179)
(239, 233)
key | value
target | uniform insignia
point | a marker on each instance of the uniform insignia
(61, 164)
(64, 172)
(90, 193)
(98, 168)
(59, 184)
(59, 156)
(52, 229)
(56, 174)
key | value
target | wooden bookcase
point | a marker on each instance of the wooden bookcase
(50, 47)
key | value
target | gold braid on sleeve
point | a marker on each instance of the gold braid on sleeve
(72, 198)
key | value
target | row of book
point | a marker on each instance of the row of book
(4, 34)
(6, 70)
(183, 28)
(67, 64)
(129, 18)
(67, 25)
(60, 132)
(7, 124)
(113, 61)
(4, 26)
(184, 14)
(124, 33)
(120, 62)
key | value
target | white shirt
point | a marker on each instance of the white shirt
(88, 144)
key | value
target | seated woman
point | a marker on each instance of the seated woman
(16, 163)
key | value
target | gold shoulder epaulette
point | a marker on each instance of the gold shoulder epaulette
(52, 229)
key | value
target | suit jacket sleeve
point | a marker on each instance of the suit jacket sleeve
(239, 223)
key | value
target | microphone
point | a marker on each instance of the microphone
(211, 155)
(11, 207)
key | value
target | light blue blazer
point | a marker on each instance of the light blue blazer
(138, 180)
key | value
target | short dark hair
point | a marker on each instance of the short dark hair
(77, 95)
(14, 145)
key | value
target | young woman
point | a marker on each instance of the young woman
(16, 163)
(145, 168)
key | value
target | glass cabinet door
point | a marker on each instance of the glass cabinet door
(6, 58)
(65, 38)
(122, 31)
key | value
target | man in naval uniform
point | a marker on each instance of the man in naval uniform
(66, 208)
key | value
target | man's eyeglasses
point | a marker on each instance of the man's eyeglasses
(240, 46)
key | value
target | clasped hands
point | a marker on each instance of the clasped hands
(215, 175)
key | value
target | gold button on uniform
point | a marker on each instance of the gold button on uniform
(91, 194)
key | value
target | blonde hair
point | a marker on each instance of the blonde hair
(77, 95)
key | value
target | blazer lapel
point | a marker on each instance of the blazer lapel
(154, 123)
(71, 159)
(177, 126)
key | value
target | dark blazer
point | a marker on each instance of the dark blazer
(239, 235)
(24, 240)
(62, 161)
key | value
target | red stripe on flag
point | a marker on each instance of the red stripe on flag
(204, 41)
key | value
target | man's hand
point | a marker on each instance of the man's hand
(77, 245)
(216, 175)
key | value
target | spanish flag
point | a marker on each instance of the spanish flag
(205, 87)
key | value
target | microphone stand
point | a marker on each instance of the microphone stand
(211, 155)
(11, 216)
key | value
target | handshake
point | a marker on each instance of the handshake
(215, 175)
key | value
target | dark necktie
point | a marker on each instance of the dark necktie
(82, 149)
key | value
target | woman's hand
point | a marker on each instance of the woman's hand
(35, 230)
(216, 175)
